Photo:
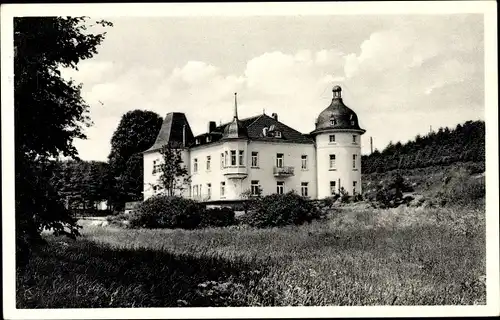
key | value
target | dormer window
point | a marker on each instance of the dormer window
(208, 139)
(333, 121)
(278, 134)
(352, 122)
(197, 141)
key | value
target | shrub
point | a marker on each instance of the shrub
(167, 212)
(344, 196)
(218, 217)
(462, 189)
(280, 210)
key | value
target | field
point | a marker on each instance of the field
(358, 256)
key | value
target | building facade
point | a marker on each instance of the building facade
(261, 155)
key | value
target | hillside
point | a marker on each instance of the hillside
(465, 143)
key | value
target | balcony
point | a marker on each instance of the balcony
(283, 171)
(235, 172)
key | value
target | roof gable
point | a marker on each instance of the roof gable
(256, 131)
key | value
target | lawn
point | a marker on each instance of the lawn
(358, 256)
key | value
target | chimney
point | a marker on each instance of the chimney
(211, 126)
(275, 116)
(184, 135)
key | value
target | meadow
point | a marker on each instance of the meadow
(357, 256)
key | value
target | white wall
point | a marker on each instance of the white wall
(343, 148)
(292, 157)
(235, 187)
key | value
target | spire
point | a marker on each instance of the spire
(337, 92)
(235, 129)
(235, 106)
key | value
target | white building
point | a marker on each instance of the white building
(261, 153)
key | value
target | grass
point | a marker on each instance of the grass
(402, 256)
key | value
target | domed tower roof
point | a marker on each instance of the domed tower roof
(337, 116)
(235, 129)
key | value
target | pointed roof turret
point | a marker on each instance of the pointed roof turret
(175, 131)
(235, 129)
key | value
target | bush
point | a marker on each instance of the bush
(167, 212)
(281, 209)
(344, 196)
(462, 189)
(218, 217)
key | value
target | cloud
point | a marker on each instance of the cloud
(400, 81)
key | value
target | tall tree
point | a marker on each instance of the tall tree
(49, 113)
(174, 176)
(136, 132)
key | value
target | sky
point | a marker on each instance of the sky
(401, 74)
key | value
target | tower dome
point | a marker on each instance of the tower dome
(337, 115)
(235, 129)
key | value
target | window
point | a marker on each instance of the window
(279, 160)
(332, 161)
(278, 134)
(222, 188)
(225, 158)
(332, 138)
(354, 183)
(280, 187)
(197, 141)
(156, 166)
(195, 190)
(332, 187)
(333, 122)
(199, 186)
(195, 165)
(241, 152)
(254, 187)
(233, 157)
(209, 190)
(208, 138)
(354, 139)
(255, 159)
(208, 163)
(222, 160)
(352, 122)
(304, 162)
(354, 157)
(303, 189)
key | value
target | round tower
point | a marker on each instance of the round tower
(338, 148)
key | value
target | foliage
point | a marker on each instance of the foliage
(135, 133)
(464, 143)
(81, 183)
(174, 177)
(218, 217)
(279, 210)
(344, 195)
(167, 212)
(250, 198)
(460, 189)
(49, 113)
(390, 191)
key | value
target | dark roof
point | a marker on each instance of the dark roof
(344, 118)
(172, 131)
(255, 129)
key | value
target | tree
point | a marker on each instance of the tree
(135, 133)
(49, 113)
(174, 177)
